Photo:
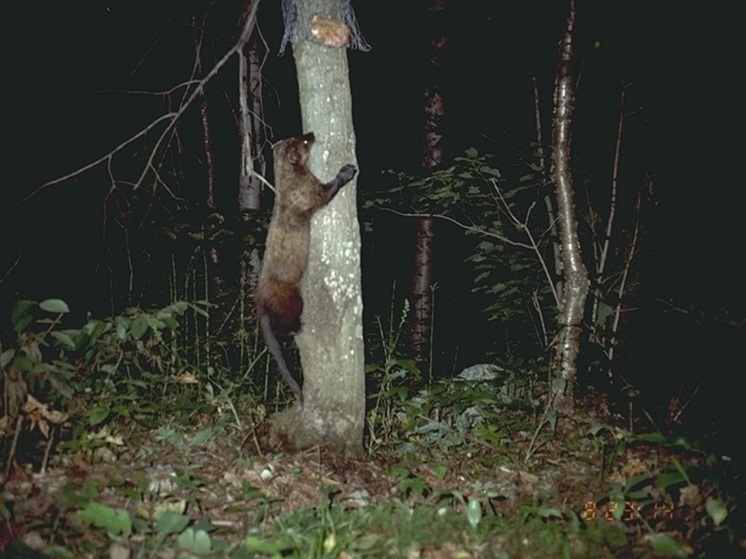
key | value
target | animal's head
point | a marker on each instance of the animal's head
(294, 150)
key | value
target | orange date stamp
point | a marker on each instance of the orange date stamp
(626, 511)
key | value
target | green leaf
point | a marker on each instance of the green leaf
(6, 357)
(440, 470)
(23, 363)
(652, 437)
(170, 322)
(552, 417)
(57, 306)
(409, 365)
(717, 510)
(596, 428)
(257, 545)
(121, 331)
(474, 512)
(83, 341)
(604, 312)
(490, 171)
(116, 521)
(416, 485)
(670, 478)
(203, 436)
(97, 415)
(635, 482)
(64, 339)
(549, 512)
(139, 327)
(180, 307)
(171, 522)
(667, 546)
(195, 541)
(22, 316)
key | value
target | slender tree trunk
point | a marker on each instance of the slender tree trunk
(575, 286)
(546, 179)
(215, 282)
(251, 125)
(252, 164)
(432, 156)
(331, 342)
(421, 291)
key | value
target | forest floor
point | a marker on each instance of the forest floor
(592, 491)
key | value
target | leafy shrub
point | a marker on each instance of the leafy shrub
(124, 368)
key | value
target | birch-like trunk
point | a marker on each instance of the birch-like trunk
(575, 276)
(252, 163)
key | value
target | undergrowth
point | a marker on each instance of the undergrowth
(145, 455)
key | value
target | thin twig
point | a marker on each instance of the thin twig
(12, 267)
(172, 117)
(245, 34)
(623, 283)
(469, 228)
(546, 180)
(523, 225)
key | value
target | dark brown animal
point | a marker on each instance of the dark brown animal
(298, 195)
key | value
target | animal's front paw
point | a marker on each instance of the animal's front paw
(347, 172)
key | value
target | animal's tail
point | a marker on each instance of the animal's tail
(276, 351)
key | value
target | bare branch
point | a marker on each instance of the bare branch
(545, 179)
(147, 52)
(601, 264)
(470, 228)
(95, 163)
(164, 93)
(10, 270)
(172, 117)
(623, 284)
(533, 245)
(537, 307)
(245, 34)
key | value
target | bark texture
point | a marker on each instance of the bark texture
(575, 275)
(252, 162)
(331, 342)
(432, 156)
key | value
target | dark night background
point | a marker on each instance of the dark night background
(70, 64)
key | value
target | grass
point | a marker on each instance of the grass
(167, 461)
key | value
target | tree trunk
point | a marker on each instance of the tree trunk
(575, 284)
(213, 267)
(331, 341)
(252, 163)
(432, 156)
(251, 126)
(421, 291)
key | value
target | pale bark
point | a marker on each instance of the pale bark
(331, 342)
(252, 162)
(575, 285)
(251, 126)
